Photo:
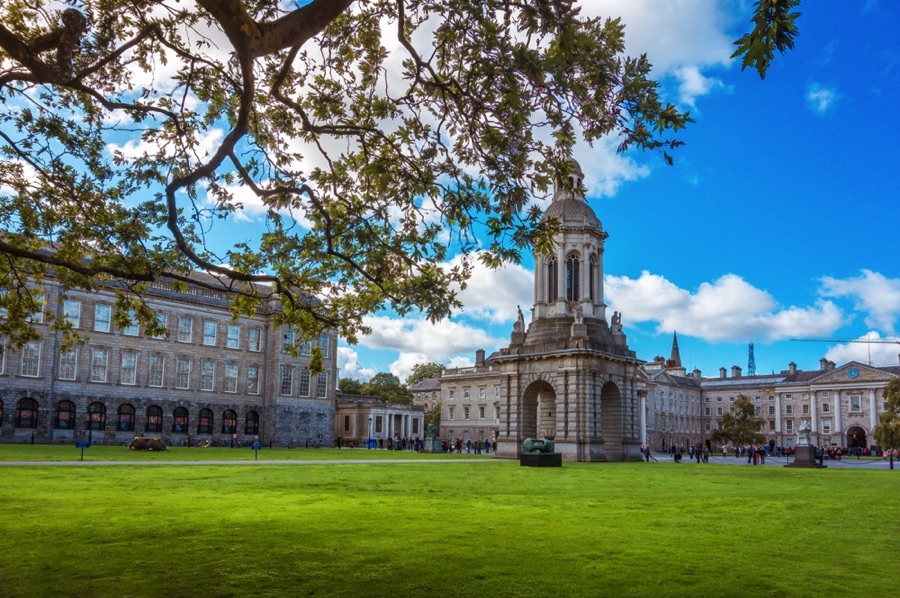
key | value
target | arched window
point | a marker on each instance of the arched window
(592, 278)
(26, 413)
(552, 279)
(64, 418)
(96, 416)
(154, 419)
(573, 278)
(251, 423)
(125, 421)
(229, 422)
(205, 422)
(180, 420)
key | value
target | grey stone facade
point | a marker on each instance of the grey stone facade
(211, 379)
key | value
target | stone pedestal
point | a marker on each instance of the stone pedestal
(541, 460)
(433, 445)
(517, 338)
(805, 456)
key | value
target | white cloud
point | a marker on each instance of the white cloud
(693, 83)
(349, 366)
(728, 309)
(876, 353)
(821, 99)
(492, 295)
(872, 293)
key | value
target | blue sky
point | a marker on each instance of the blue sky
(779, 219)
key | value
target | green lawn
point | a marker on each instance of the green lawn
(481, 529)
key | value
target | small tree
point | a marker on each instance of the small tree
(350, 386)
(740, 427)
(388, 387)
(424, 371)
(887, 432)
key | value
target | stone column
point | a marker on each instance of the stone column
(873, 411)
(778, 430)
(814, 412)
(838, 425)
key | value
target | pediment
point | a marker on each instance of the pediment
(853, 373)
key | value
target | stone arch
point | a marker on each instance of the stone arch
(856, 437)
(538, 411)
(612, 424)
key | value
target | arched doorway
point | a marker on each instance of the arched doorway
(612, 427)
(538, 411)
(856, 438)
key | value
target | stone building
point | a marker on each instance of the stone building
(570, 375)
(210, 379)
(360, 417)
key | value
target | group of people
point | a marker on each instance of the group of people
(476, 447)
(698, 453)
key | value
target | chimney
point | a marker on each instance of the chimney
(823, 364)
(735, 371)
(696, 374)
(792, 367)
(722, 373)
(479, 357)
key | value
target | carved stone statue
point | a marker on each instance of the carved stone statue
(803, 434)
(579, 314)
(538, 445)
(616, 322)
(519, 326)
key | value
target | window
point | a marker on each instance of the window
(102, 317)
(68, 364)
(706, 411)
(133, 328)
(757, 410)
(231, 377)
(26, 413)
(496, 411)
(233, 338)
(482, 393)
(185, 329)
(854, 403)
(322, 385)
(251, 423)
(162, 320)
(287, 340)
(592, 276)
(452, 414)
(497, 391)
(415, 426)
(255, 343)
(303, 391)
(451, 394)
(205, 422)
(229, 422)
(72, 312)
(64, 419)
(378, 423)
(323, 344)
(552, 279)
(125, 418)
(826, 426)
(826, 408)
(346, 423)
(718, 411)
(788, 397)
(154, 419)
(771, 409)
(209, 333)
(706, 400)
(252, 379)
(771, 425)
(806, 410)
(182, 372)
(789, 425)
(305, 348)
(287, 381)
(731, 399)
(788, 409)
(156, 371)
(208, 375)
(573, 278)
(465, 393)
(180, 420)
(40, 303)
(128, 369)
(99, 363)
(96, 416)
(825, 395)
(481, 412)
(31, 360)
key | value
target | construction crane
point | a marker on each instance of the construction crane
(868, 341)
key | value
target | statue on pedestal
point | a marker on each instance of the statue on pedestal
(519, 326)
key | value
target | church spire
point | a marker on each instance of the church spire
(675, 358)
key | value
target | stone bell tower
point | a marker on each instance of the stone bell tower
(570, 375)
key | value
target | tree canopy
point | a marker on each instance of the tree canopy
(388, 387)
(423, 371)
(740, 426)
(369, 136)
(887, 432)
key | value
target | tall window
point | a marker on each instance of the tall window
(154, 419)
(182, 372)
(102, 317)
(72, 312)
(68, 364)
(26, 413)
(233, 339)
(99, 363)
(209, 333)
(231, 377)
(573, 278)
(96, 416)
(205, 422)
(229, 422)
(31, 360)
(854, 403)
(287, 340)
(322, 385)
(185, 329)
(125, 421)
(162, 320)
(207, 375)
(304, 383)
(128, 370)
(255, 343)
(133, 328)
(592, 277)
(64, 419)
(180, 420)
(323, 344)
(552, 279)
(252, 379)
(305, 347)
(287, 380)
(157, 370)
(251, 423)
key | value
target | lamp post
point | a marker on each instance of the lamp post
(369, 441)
